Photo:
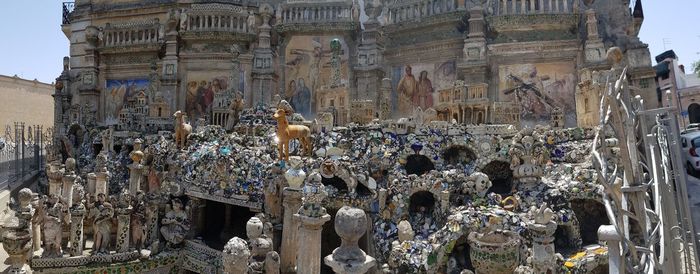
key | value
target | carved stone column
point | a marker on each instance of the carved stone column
(55, 175)
(292, 203)
(76, 229)
(136, 168)
(310, 243)
(67, 193)
(152, 230)
(101, 182)
(123, 225)
(543, 259)
(91, 182)
(350, 224)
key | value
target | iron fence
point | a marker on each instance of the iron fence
(22, 153)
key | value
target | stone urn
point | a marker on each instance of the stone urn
(496, 252)
(254, 228)
(17, 242)
(295, 175)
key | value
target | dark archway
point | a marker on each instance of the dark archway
(563, 240)
(592, 215)
(501, 177)
(418, 164)
(458, 154)
(216, 232)
(329, 241)
(421, 201)
(694, 113)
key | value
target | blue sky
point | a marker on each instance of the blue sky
(33, 44)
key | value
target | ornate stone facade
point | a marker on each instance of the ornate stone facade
(416, 113)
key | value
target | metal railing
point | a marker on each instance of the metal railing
(67, 9)
(22, 153)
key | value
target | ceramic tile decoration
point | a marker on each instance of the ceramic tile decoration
(312, 137)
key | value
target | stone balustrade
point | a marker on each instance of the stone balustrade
(206, 21)
(415, 10)
(522, 7)
(333, 12)
(132, 34)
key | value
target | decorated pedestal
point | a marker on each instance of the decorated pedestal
(309, 249)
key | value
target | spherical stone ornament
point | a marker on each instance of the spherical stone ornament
(350, 225)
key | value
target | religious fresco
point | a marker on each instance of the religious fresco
(416, 85)
(539, 88)
(309, 68)
(201, 88)
(118, 94)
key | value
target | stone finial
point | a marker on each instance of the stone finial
(405, 231)
(272, 263)
(350, 225)
(235, 256)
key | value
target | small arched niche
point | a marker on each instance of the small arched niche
(458, 154)
(418, 164)
(501, 176)
(591, 215)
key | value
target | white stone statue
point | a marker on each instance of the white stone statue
(183, 20)
(53, 227)
(175, 224)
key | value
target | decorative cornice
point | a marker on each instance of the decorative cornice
(530, 22)
(218, 36)
(424, 22)
(316, 27)
(506, 49)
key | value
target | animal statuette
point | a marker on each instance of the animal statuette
(182, 129)
(287, 132)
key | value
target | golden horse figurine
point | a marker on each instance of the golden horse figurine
(286, 132)
(182, 129)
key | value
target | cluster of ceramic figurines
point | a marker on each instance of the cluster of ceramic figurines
(73, 204)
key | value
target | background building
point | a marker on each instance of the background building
(26, 101)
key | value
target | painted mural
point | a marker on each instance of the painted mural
(416, 85)
(539, 88)
(118, 94)
(201, 88)
(311, 64)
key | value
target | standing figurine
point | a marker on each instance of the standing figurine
(175, 224)
(286, 132)
(102, 225)
(182, 130)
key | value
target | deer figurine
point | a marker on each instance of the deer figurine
(182, 129)
(286, 132)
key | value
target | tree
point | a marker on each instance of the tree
(696, 67)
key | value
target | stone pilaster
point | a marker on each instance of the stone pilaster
(309, 247)
(264, 78)
(292, 202)
(76, 230)
(123, 225)
(475, 44)
(594, 48)
(169, 70)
